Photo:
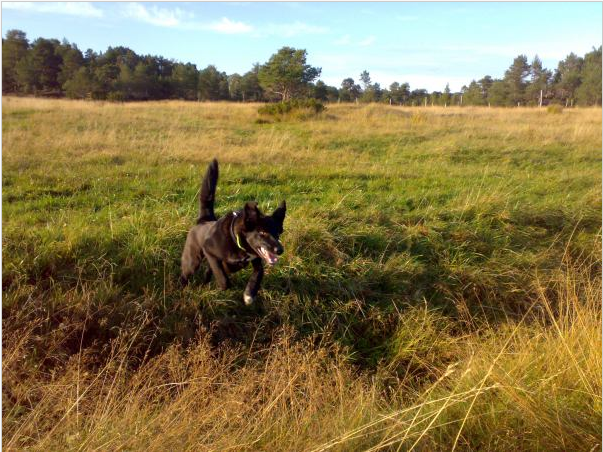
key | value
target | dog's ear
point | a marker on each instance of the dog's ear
(279, 215)
(250, 215)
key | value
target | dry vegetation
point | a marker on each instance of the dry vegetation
(440, 288)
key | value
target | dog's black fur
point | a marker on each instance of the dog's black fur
(233, 241)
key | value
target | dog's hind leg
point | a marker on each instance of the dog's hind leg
(253, 285)
(190, 264)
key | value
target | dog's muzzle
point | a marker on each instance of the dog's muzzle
(271, 257)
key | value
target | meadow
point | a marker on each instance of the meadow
(440, 287)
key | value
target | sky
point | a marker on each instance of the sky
(424, 44)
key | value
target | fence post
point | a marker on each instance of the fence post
(540, 101)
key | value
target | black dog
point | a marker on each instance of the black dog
(231, 242)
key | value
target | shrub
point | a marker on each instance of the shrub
(296, 108)
(418, 118)
(554, 109)
(116, 96)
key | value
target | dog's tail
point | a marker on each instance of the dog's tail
(208, 193)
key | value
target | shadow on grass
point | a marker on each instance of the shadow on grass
(351, 288)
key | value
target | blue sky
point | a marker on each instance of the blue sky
(425, 44)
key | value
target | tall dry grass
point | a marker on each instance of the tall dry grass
(534, 384)
(441, 286)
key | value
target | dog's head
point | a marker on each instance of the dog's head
(262, 232)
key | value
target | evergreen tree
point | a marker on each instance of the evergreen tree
(567, 77)
(45, 65)
(213, 84)
(14, 49)
(498, 95)
(235, 87)
(319, 90)
(446, 95)
(435, 98)
(418, 96)
(399, 93)
(332, 94)
(72, 61)
(589, 91)
(539, 80)
(53, 68)
(365, 78)
(81, 86)
(349, 91)
(250, 85)
(184, 79)
(472, 94)
(485, 84)
(515, 78)
(286, 75)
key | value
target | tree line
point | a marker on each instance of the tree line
(49, 67)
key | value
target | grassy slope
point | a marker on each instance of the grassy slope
(441, 275)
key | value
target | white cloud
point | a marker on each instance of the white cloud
(290, 29)
(368, 12)
(82, 9)
(368, 41)
(344, 40)
(162, 17)
(407, 18)
(178, 18)
(228, 26)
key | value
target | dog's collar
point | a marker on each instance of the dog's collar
(236, 236)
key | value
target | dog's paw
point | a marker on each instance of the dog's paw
(248, 299)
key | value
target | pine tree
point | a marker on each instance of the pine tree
(286, 75)
(589, 92)
(515, 78)
(14, 49)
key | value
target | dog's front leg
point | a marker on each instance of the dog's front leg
(253, 285)
(207, 276)
(218, 271)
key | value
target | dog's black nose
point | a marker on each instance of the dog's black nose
(278, 250)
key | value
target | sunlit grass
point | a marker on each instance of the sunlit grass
(440, 286)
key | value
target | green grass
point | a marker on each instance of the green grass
(440, 284)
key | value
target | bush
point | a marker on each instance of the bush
(554, 109)
(418, 118)
(116, 96)
(297, 108)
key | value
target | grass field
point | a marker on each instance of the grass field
(440, 287)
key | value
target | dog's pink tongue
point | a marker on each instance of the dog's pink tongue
(269, 257)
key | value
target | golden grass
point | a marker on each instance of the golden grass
(441, 286)
(529, 385)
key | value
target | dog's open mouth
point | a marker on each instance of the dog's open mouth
(269, 257)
